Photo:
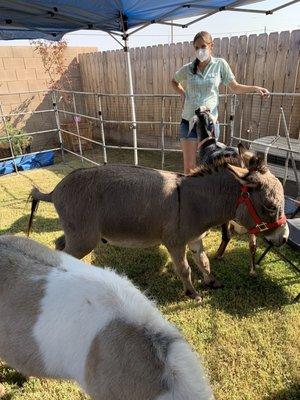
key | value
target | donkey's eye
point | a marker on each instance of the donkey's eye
(270, 208)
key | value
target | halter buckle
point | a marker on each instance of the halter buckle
(262, 227)
(245, 195)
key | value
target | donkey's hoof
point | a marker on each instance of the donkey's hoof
(213, 285)
(60, 243)
(2, 390)
(193, 295)
(218, 256)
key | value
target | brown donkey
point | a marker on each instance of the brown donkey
(134, 206)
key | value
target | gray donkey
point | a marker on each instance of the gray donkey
(60, 318)
(134, 206)
(209, 151)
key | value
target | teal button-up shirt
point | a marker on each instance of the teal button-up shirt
(202, 89)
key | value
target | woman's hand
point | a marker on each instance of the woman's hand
(179, 89)
(262, 91)
(238, 88)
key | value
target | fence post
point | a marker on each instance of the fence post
(162, 132)
(232, 116)
(287, 134)
(102, 128)
(8, 138)
(55, 110)
(77, 126)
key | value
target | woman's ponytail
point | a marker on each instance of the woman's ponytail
(195, 66)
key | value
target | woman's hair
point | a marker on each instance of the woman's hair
(207, 38)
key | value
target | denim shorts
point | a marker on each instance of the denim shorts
(184, 131)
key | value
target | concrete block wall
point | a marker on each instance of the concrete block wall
(21, 70)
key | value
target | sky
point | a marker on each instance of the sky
(225, 23)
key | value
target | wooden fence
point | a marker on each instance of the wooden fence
(265, 60)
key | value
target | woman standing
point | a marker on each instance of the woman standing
(203, 77)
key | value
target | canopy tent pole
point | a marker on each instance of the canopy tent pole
(284, 5)
(112, 35)
(215, 10)
(131, 92)
(124, 27)
(132, 103)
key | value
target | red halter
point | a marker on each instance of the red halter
(260, 225)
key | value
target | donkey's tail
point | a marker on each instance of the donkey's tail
(35, 197)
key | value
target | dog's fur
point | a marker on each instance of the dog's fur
(60, 318)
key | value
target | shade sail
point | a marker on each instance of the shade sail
(50, 19)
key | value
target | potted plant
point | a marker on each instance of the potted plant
(21, 144)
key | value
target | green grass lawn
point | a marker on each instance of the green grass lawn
(247, 332)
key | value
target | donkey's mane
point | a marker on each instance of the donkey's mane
(219, 162)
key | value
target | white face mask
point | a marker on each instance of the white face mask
(202, 54)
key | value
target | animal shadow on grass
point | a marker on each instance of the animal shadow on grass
(290, 393)
(39, 225)
(242, 294)
(152, 271)
(149, 269)
(11, 377)
(7, 396)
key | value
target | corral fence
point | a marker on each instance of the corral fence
(268, 60)
(109, 115)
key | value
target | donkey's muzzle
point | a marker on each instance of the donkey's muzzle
(279, 236)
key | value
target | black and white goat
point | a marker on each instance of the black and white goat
(209, 150)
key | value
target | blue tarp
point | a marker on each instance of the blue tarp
(50, 19)
(27, 162)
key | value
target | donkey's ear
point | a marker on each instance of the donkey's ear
(198, 111)
(239, 173)
(192, 122)
(242, 175)
(201, 109)
(245, 155)
(257, 163)
(241, 148)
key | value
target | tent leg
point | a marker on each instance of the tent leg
(133, 114)
(102, 129)
(287, 135)
(163, 105)
(57, 120)
(232, 117)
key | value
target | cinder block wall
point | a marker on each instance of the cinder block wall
(21, 70)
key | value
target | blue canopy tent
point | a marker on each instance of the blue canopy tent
(51, 19)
